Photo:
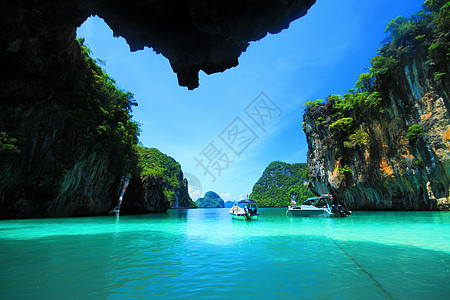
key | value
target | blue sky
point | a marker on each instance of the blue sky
(320, 54)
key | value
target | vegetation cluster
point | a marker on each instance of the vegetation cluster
(101, 112)
(153, 162)
(281, 183)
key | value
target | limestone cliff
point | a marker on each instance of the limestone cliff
(155, 163)
(145, 195)
(64, 158)
(396, 156)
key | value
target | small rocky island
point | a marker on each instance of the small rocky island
(210, 200)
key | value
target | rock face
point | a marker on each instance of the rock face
(393, 173)
(38, 36)
(145, 195)
(280, 183)
(210, 200)
(57, 173)
(154, 162)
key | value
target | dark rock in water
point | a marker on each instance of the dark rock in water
(210, 200)
(145, 195)
(57, 173)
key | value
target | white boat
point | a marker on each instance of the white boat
(246, 209)
(319, 207)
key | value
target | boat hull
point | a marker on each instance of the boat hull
(244, 217)
(310, 211)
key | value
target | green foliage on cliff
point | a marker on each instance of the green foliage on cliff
(210, 200)
(415, 132)
(280, 183)
(155, 163)
(345, 171)
(359, 138)
(312, 103)
(342, 125)
(427, 31)
(425, 34)
(101, 112)
(8, 144)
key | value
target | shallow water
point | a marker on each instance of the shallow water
(202, 253)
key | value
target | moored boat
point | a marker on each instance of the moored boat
(322, 206)
(246, 209)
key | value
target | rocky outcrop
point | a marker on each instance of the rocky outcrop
(145, 195)
(154, 162)
(392, 172)
(38, 37)
(62, 168)
(210, 200)
(57, 173)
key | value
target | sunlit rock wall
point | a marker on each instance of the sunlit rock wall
(392, 173)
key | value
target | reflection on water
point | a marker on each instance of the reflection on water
(203, 253)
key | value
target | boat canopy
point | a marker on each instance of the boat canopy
(323, 200)
(247, 201)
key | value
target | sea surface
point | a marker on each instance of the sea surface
(204, 254)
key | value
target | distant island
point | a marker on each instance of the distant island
(210, 200)
(229, 204)
(282, 183)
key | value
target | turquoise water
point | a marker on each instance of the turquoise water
(202, 253)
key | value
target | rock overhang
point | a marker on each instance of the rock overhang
(194, 35)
